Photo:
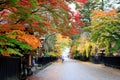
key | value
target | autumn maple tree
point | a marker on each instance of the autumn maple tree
(105, 30)
(42, 16)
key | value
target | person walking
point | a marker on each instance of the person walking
(62, 58)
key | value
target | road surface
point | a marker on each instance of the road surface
(76, 70)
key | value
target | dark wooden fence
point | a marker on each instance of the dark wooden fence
(95, 59)
(45, 60)
(10, 68)
(112, 61)
(82, 58)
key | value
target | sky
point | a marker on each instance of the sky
(72, 6)
(113, 3)
(66, 52)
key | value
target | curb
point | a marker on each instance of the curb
(37, 69)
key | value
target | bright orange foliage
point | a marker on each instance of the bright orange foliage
(30, 40)
(102, 14)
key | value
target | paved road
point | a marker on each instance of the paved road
(76, 70)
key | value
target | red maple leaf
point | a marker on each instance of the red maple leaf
(24, 2)
(13, 9)
(83, 1)
(77, 16)
(47, 24)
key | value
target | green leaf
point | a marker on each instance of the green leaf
(34, 3)
(2, 43)
(1, 50)
(13, 2)
(51, 54)
(14, 42)
(25, 46)
(7, 44)
(14, 51)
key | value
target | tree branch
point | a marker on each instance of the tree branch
(34, 11)
(18, 21)
(3, 2)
